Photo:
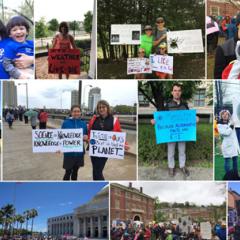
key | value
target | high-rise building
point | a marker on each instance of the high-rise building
(93, 97)
(9, 94)
(74, 97)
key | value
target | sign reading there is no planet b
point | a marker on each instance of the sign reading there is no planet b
(53, 140)
(107, 144)
(122, 34)
(175, 126)
(187, 41)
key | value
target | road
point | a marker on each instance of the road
(19, 163)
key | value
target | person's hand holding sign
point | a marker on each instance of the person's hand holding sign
(85, 138)
(24, 61)
(126, 147)
(153, 122)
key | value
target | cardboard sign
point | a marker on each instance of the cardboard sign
(206, 230)
(138, 65)
(161, 63)
(187, 41)
(53, 140)
(66, 61)
(175, 126)
(122, 34)
(107, 144)
(185, 224)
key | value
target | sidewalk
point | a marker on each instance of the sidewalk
(19, 163)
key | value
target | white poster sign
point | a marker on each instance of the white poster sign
(122, 34)
(187, 41)
(107, 144)
(53, 140)
(138, 65)
(161, 63)
(206, 230)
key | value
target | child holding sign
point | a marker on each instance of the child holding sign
(72, 161)
(230, 148)
(103, 121)
(17, 30)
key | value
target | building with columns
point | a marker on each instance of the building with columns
(90, 220)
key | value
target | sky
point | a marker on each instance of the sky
(66, 10)
(52, 93)
(49, 199)
(234, 186)
(232, 89)
(200, 193)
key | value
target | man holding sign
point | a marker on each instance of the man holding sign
(174, 104)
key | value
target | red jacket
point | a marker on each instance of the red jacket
(43, 117)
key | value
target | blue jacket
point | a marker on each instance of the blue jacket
(71, 123)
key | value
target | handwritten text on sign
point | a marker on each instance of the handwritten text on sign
(107, 144)
(65, 61)
(161, 63)
(53, 140)
(206, 230)
(175, 126)
(187, 41)
(138, 65)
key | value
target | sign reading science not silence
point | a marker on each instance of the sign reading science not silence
(53, 140)
(65, 61)
(107, 144)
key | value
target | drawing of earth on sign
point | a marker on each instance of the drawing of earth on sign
(175, 41)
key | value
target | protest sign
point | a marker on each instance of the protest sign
(53, 140)
(122, 34)
(185, 224)
(65, 61)
(107, 144)
(187, 41)
(206, 230)
(161, 63)
(138, 65)
(236, 110)
(175, 126)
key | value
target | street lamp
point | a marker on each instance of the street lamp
(84, 89)
(26, 85)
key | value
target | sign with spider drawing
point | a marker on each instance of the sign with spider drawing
(187, 41)
(122, 34)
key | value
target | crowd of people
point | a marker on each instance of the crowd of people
(163, 231)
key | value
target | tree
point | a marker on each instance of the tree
(87, 23)
(74, 26)
(157, 92)
(27, 215)
(8, 212)
(53, 25)
(27, 9)
(33, 214)
(41, 29)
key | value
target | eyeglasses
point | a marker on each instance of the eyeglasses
(140, 52)
(148, 29)
(159, 22)
(162, 48)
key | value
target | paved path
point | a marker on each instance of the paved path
(19, 163)
(154, 173)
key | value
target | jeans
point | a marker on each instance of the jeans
(181, 153)
(227, 164)
(238, 135)
(98, 164)
(71, 174)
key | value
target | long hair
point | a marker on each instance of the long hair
(3, 30)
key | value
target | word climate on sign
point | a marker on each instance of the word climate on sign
(53, 140)
(175, 126)
(107, 144)
(66, 61)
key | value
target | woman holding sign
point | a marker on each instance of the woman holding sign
(72, 161)
(63, 40)
(103, 121)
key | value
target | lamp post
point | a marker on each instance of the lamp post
(26, 85)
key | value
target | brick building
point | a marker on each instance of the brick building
(223, 7)
(128, 203)
(233, 207)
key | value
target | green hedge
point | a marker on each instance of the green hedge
(200, 152)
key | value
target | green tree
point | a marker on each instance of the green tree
(33, 214)
(41, 29)
(27, 9)
(87, 23)
(8, 212)
(53, 25)
(74, 26)
(27, 215)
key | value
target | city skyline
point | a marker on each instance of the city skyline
(48, 198)
(52, 94)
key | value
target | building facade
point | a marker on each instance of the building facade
(93, 97)
(74, 97)
(90, 220)
(233, 207)
(9, 94)
(128, 203)
(223, 7)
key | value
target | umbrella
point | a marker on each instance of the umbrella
(31, 113)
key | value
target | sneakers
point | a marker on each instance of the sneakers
(185, 171)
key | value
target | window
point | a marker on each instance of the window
(117, 203)
(143, 102)
(214, 11)
(199, 98)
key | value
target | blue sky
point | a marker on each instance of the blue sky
(50, 199)
(234, 186)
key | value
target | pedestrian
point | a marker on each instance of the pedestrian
(103, 121)
(43, 117)
(147, 41)
(72, 161)
(10, 118)
(230, 147)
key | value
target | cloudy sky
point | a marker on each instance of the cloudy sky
(200, 193)
(62, 10)
(52, 93)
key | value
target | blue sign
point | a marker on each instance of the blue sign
(175, 126)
